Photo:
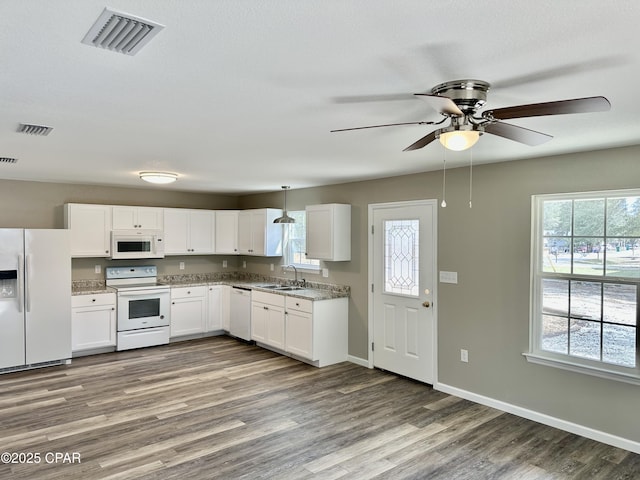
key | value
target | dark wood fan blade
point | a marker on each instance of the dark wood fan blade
(386, 125)
(444, 105)
(426, 140)
(576, 105)
(517, 134)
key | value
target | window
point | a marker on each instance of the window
(294, 251)
(585, 266)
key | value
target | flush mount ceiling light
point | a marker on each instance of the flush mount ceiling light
(158, 177)
(285, 218)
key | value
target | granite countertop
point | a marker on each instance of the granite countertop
(313, 291)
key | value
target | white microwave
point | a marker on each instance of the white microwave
(134, 244)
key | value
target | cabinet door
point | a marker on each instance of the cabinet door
(259, 321)
(90, 227)
(176, 229)
(299, 334)
(214, 309)
(245, 233)
(258, 232)
(201, 231)
(226, 232)
(150, 218)
(93, 327)
(319, 232)
(187, 316)
(275, 327)
(124, 218)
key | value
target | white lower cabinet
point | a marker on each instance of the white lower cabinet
(188, 310)
(93, 321)
(217, 308)
(317, 330)
(267, 319)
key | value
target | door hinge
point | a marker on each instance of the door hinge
(371, 229)
(372, 288)
(372, 346)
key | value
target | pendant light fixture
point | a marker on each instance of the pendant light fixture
(284, 218)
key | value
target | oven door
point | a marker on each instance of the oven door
(143, 309)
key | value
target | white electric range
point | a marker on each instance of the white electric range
(143, 306)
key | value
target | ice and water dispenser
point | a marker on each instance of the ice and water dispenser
(8, 283)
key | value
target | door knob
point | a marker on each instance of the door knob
(426, 304)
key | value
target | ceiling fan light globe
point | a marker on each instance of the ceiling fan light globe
(459, 140)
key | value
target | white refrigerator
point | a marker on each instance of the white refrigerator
(35, 297)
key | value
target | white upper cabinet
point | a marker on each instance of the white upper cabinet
(131, 218)
(189, 232)
(90, 227)
(328, 233)
(257, 234)
(226, 232)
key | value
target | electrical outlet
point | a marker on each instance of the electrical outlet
(224, 264)
(244, 264)
(464, 355)
(325, 272)
(97, 269)
(181, 265)
(273, 267)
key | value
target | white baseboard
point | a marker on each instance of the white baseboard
(363, 362)
(571, 427)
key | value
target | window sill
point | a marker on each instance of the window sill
(633, 379)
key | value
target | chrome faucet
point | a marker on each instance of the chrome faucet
(296, 281)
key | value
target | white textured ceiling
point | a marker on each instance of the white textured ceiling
(240, 95)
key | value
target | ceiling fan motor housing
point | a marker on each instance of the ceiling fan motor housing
(468, 95)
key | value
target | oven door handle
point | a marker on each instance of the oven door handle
(141, 294)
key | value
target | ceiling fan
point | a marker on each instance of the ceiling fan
(459, 102)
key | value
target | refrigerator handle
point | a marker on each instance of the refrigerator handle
(20, 283)
(27, 290)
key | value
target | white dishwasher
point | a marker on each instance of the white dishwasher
(240, 313)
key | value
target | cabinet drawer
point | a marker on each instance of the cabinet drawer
(300, 304)
(268, 298)
(186, 292)
(80, 301)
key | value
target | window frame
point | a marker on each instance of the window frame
(287, 253)
(537, 274)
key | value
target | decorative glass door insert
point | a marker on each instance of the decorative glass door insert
(402, 259)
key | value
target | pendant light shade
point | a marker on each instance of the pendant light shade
(284, 218)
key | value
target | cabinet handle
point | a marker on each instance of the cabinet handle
(189, 292)
(113, 308)
(266, 308)
(93, 299)
(173, 303)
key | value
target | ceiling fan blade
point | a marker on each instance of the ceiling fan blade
(385, 125)
(426, 140)
(561, 71)
(517, 134)
(385, 97)
(561, 107)
(444, 105)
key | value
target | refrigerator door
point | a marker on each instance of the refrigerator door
(47, 295)
(12, 340)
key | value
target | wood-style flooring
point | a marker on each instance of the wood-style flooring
(216, 408)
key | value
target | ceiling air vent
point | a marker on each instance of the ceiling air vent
(4, 160)
(34, 129)
(121, 32)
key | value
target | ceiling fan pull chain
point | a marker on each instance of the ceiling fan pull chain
(444, 176)
(470, 177)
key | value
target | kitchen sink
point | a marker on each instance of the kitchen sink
(280, 288)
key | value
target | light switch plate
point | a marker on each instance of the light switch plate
(448, 277)
(325, 272)
(97, 269)
(224, 264)
(181, 265)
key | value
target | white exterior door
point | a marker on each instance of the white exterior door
(402, 272)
